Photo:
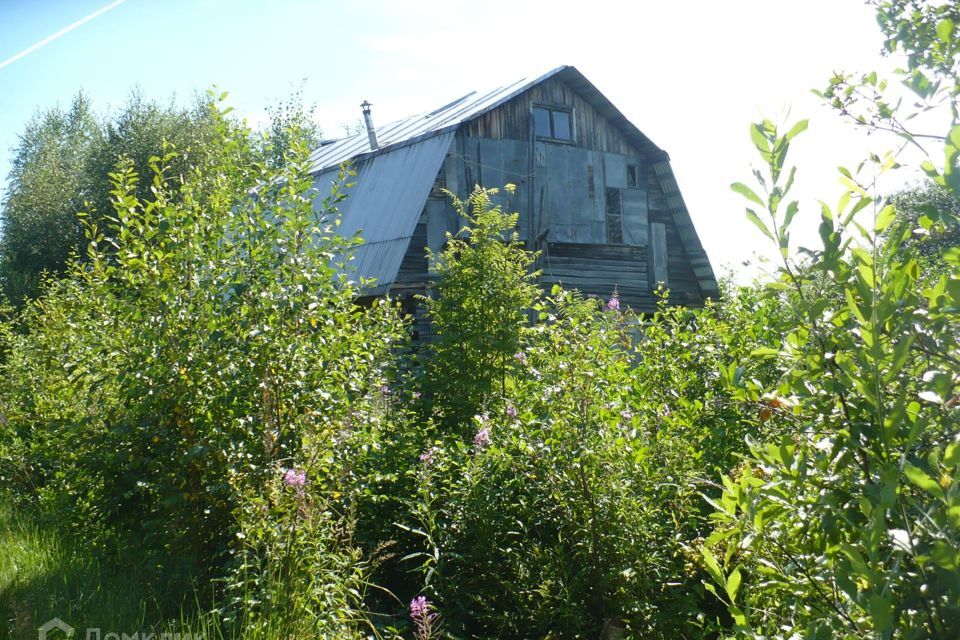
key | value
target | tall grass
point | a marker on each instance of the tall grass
(47, 572)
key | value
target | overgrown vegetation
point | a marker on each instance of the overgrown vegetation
(204, 394)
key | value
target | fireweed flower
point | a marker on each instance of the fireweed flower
(511, 411)
(296, 478)
(613, 304)
(419, 607)
(424, 617)
(426, 458)
(482, 439)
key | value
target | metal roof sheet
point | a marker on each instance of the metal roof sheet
(462, 110)
(384, 205)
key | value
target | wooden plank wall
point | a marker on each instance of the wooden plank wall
(568, 214)
(599, 270)
(684, 286)
(512, 120)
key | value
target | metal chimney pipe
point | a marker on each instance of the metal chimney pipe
(368, 120)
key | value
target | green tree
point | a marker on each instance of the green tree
(485, 291)
(848, 527)
(920, 208)
(286, 116)
(47, 186)
(63, 164)
(207, 345)
(138, 132)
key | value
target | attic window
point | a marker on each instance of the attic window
(556, 124)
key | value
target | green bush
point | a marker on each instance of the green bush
(208, 339)
(570, 501)
(484, 291)
(848, 527)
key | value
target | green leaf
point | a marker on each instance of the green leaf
(797, 129)
(881, 611)
(759, 139)
(747, 192)
(755, 219)
(712, 589)
(852, 304)
(954, 136)
(951, 457)
(713, 568)
(856, 561)
(920, 478)
(792, 209)
(884, 218)
(739, 618)
(733, 584)
(945, 30)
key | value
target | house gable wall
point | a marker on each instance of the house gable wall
(590, 224)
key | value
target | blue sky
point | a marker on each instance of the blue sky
(691, 75)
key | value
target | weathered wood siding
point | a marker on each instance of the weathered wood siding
(512, 120)
(598, 270)
(576, 203)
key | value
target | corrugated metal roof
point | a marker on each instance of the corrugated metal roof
(385, 203)
(408, 129)
(467, 108)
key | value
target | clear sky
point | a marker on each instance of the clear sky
(692, 75)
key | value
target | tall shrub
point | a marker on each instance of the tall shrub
(208, 344)
(484, 291)
(848, 527)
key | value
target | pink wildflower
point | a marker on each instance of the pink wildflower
(296, 478)
(482, 439)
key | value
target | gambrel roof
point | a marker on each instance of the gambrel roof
(394, 181)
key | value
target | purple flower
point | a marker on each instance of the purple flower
(426, 458)
(419, 607)
(511, 411)
(424, 617)
(520, 357)
(385, 389)
(296, 478)
(482, 439)
(626, 415)
(416, 395)
(613, 304)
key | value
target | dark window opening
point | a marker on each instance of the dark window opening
(561, 125)
(556, 124)
(541, 123)
(614, 216)
(632, 176)
(439, 185)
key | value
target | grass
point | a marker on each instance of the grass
(47, 573)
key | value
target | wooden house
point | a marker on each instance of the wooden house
(595, 196)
